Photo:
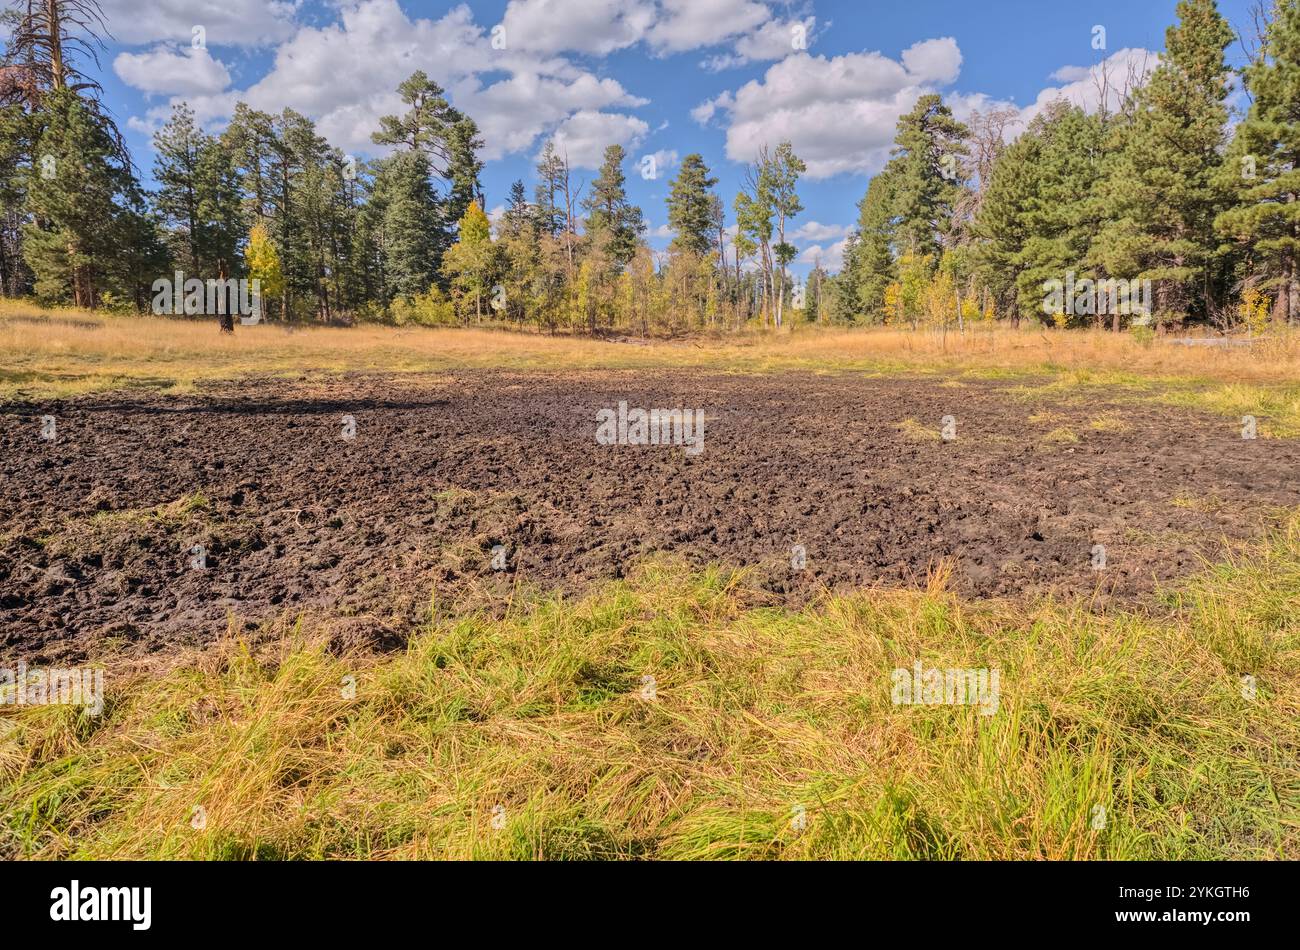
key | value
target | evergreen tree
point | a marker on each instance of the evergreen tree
(552, 173)
(518, 239)
(16, 143)
(177, 146)
(86, 207)
(871, 258)
(1163, 188)
(463, 168)
(198, 198)
(691, 207)
(927, 152)
(1264, 164)
(612, 221)
(1001, 227)
(408, 225)
(250, 140)
(447, 140)
(1061, 217)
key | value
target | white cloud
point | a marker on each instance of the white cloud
(691, 24)
(839, 112)
(705, 111)
(166, 69)
(345, 74)
(934, 61)
(587, 26)
(1085, 87)
(662, 161)
(600, 27)
(774, 39)
(1071, 73)
(816, 231)
(225, 22)
(584, 136)
(831, 258)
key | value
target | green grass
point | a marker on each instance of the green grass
(539, 736)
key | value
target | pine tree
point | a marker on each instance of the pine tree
(924, 168)
(690, 207)
(872, 255)
(518, 240)
(1001, 227)
(447, 140)
(16, 143)
(1163, 190)
(1263, 167)
(85, 204)
(463, 168)
(250, 140)
(552, 172)
(177, 146)
(1061, 216)
(614, 223)
(408, 227)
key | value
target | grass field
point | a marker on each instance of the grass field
(56, 354)
(666, 715)
(537, 736)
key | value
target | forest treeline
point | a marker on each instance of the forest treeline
(966, 222)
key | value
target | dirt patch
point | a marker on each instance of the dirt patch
(100, 527)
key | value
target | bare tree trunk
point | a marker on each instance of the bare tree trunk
(56, 43)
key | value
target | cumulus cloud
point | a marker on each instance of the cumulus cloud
(345, 75)
(831, 257)
(1071, 73)
(168, 70)
(600, 27)
(933, 61)
(774, 39)
(248, 23)
(662, 162)
(589, 26)
(839, 112)
(1091, 87)
(584, 136)
(816, 231)
(691, 24)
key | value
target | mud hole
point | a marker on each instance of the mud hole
(98, 528)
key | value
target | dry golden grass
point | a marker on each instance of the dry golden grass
(535, 736)
(49, 353)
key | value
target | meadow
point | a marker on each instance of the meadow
(680, 705)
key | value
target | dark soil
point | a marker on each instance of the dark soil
(374, 533)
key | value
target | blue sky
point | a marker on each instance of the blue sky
(662, 77)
